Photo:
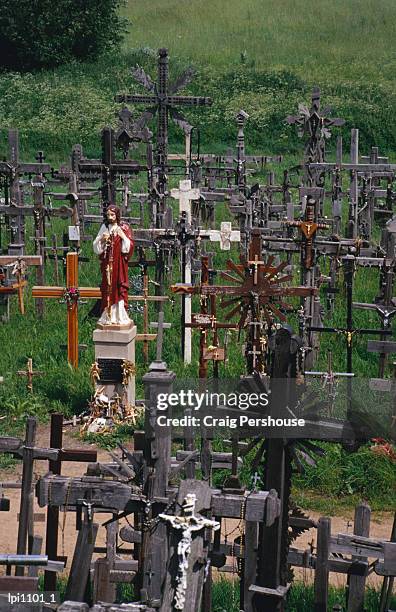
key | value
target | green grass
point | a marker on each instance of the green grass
(300, 597)
(327, 39)
(225, 596)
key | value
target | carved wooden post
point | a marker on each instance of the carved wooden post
(26, 505)
(157, 460)
(321, 585)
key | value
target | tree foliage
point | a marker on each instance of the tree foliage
(44, 33)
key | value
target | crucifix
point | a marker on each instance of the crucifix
(19, 264)
(206, 322)
(161, 100)
(70, 295)
(29, 373)
(308, 228)
(187, 524)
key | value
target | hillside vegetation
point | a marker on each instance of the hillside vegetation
(260, 55)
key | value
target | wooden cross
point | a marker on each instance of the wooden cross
(53, 254)
(29, 373)
(143, 263)
(108, 169)
(207, 322)
(13, 168)
(385, 307)
(71, 295)
(20, 263)
(160, 326)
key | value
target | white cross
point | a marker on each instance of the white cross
(225, 236)
(185, 194)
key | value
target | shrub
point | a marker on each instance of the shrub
(43, 33)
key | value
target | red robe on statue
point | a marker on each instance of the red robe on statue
(118, 262)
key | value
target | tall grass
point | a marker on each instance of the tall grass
(327, 38)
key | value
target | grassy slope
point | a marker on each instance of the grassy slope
(57, 108)
(327, 38)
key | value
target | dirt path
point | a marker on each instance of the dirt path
(381, 523)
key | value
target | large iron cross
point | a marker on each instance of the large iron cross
(161, 100)
(315, 124)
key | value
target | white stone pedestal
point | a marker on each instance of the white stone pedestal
(111, 344)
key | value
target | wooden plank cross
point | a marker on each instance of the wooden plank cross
(29, 373)
(71, 294)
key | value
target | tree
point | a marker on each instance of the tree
(44, 33)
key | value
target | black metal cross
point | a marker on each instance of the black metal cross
(162, 100)
(314, 123)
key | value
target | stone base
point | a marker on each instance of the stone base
(116, 342)
(115, 326)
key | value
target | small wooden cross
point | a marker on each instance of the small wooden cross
(20, 263)
(71, 295)
(29, 373)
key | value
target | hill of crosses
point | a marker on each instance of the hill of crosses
(264, 285)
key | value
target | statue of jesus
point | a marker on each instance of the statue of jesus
(114, 245)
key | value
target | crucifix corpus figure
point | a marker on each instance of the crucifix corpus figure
(188, 523)
(114, 245)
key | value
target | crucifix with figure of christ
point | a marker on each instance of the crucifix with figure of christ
(70, 295)
(161, 100)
